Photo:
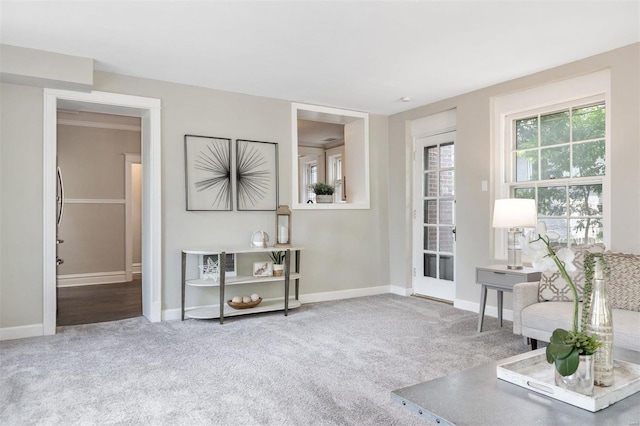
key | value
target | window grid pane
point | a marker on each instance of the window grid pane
(527, 133)
(430, 159)
(588, 122)
(588, 159)
(554, 162)
(554, 128)
(561, 146)
(447, 155)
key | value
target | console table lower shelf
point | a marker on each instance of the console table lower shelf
(213, 311)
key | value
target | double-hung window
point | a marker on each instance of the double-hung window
(310, 178)
(556, 156)
(335, 175)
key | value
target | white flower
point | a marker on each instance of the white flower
(535, 244)
(566, 256)
(543, 264)
(541, 229)
(531, 245)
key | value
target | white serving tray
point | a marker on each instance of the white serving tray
(532, 371)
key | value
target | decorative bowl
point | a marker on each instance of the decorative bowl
(244, 305)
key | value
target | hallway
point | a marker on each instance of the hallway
(99, 303)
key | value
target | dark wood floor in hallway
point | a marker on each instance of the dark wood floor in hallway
(99, 303)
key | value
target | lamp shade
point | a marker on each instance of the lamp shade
(514, 213)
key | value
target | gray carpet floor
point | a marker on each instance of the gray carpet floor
(329, 363)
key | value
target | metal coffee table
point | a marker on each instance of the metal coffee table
(478, 397)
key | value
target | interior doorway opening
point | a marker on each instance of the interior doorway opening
(99, 218)
(148, 110)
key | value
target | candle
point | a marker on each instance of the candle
(283, 238)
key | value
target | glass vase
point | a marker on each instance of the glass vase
(582, 380)
(600, 324)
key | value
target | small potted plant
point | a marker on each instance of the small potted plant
(324, 192)
(278, 262)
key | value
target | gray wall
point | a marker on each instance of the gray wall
(473, 165)
(21, 205)
(330, 237)
(93, 167)
(344, 249)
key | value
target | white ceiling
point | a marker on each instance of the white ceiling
(360, 55)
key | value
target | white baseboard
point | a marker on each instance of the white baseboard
(490, 311)
(22, 332)
(175, 314)
(75, 280)
(34, 330)
(136, 268)
(401, 291)
(344, 294)
(171, 314)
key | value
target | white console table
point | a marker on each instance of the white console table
(222, 311)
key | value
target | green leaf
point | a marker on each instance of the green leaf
(551, 357)
(559, 350)
(568, 365)
(559, 336)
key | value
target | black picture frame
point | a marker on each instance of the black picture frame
(207, 173)
(256, 175)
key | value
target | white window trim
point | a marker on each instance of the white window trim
(334, 178)
(306, 176)
(503, 108)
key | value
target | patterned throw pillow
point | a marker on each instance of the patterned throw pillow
(624, 281)
(554, 288)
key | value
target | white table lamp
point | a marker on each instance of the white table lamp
(514, 214)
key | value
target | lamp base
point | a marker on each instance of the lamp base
(514, 253)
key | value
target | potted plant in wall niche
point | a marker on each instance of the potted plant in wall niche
(278, 262)
(324, 192)
(570, 350)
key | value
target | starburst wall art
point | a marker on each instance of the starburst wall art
(256, 175)
(208, 170)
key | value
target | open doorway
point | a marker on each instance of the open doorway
(99, 217)
(148, 110)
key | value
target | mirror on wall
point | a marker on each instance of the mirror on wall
(331, 147)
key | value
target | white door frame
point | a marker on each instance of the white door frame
(443, 122)
(148, 109)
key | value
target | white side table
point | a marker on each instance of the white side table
(499, 278)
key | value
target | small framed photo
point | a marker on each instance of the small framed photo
(212, 259)
(263, 269)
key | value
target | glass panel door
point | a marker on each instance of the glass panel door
(434, 216)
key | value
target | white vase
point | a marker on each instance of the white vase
(324, 198)
(582, 380)
(600, 324)
(278, 270)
